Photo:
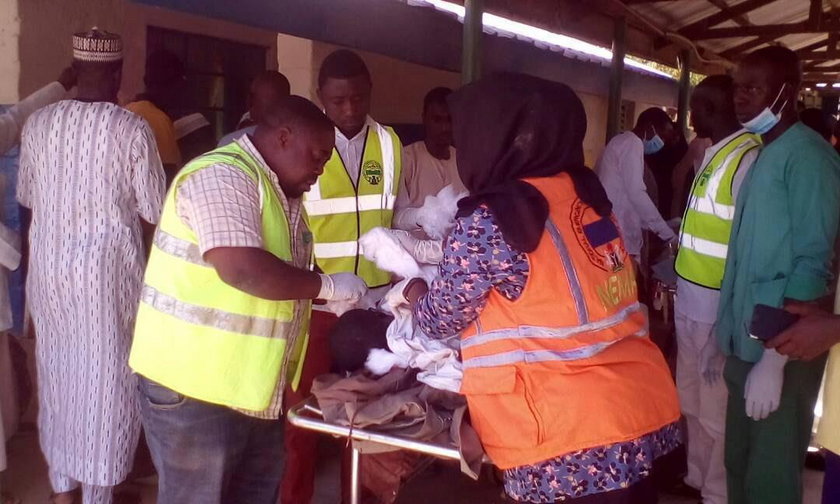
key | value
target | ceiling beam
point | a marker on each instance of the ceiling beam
(724, 15)
(734, 52)
(833, 44)
(742, 20)
(818, 69)
(778, 30)
(816, 56)
(815, 13)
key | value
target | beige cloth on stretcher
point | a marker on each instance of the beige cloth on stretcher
(396, 404)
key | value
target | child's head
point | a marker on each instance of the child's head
(355, 334)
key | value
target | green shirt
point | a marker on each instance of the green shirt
(783, 234)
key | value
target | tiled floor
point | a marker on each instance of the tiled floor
(26, 478)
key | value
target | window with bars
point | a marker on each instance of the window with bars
(218, 74)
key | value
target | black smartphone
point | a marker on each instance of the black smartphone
(768, 321)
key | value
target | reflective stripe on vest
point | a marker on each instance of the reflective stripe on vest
(349, 205)
(540, 332)
(340, 211)
(707, 224)
(582, 328)
(704, 247)
(208, 317)
(571, 273)
(204, 338)
(179, 248)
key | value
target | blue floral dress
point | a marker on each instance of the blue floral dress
(477, 259)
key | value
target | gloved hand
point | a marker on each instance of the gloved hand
(342, 287)
(763, 389)
(711, 361)
(437, 215)
(423, 251)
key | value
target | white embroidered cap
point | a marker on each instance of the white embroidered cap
(97, 46)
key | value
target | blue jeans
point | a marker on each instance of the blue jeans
(209, 454)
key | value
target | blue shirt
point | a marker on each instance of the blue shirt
(783, 234)
(236, 135)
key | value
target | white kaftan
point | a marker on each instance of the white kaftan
(89, 172)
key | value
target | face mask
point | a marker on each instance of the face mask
(653, 145)
(766, 119)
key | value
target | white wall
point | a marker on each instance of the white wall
(9, 54)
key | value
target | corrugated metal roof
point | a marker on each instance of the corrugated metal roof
(680, 13)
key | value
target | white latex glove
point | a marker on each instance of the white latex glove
(711, 361)
(437, 215)
(342, 287)
(423, 251)
(763, 389)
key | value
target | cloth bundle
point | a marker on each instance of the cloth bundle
(408, 347)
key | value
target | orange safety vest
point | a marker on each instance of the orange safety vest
(568, 365)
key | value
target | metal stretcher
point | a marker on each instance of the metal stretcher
(306, 415)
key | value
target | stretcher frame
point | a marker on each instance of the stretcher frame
(306, 415)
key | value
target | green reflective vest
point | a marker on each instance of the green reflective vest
(704, 235)
(199, 336)
(340, 212)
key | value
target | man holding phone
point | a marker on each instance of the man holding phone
(779, 255)
(810, 338)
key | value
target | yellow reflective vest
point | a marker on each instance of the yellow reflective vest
(199, 336)
(707, 223)
(340, 212)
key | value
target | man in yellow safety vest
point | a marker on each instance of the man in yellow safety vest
(223, 319)
(356, 193)
(704, 236)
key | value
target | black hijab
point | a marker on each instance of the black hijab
(513, 126)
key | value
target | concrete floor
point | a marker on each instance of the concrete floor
(26, 478)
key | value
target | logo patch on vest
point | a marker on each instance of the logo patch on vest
(598, 238)
(372, 171)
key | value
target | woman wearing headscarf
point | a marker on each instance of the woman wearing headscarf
(567, 393)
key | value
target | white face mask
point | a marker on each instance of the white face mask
(766, 119)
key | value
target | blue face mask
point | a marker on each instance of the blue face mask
(653, 145)
(766, 119)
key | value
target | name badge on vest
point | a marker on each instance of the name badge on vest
(372, 171)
